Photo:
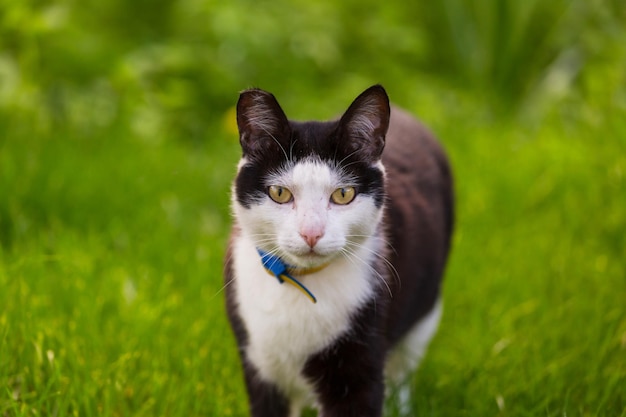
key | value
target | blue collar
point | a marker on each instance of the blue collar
(283, 272)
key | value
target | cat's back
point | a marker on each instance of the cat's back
(413, 155)
(419, 217)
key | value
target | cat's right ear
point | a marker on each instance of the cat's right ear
(261, 121)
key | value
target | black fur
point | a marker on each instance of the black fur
(348, 374)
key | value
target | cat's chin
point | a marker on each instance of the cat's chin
(310, 259)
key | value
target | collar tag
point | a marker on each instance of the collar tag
(276, 267)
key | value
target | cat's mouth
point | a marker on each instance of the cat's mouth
(311, 259)
(301, 256)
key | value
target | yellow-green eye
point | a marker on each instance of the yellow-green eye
(279, 194)
(343, 195)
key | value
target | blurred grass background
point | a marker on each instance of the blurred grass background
(118, 145)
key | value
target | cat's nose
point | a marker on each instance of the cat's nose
(311, 238)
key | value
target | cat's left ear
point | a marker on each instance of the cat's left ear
(364, 125)
(263, 126)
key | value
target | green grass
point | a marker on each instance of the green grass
(112, 256)
(111, 271)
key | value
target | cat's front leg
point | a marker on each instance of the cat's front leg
(366, 403)
(349, 381)
(349, 375)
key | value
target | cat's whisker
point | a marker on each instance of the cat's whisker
(350, 253)
(263, 241)
(350, 163)
(278, 143)
(379, 238)
(392, 268)
(293, 143)
(223, 288)
(347, 157)
(230, 281)
(262, 238)
(261, 234)
(277, 251)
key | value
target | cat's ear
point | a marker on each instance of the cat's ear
(262, 123)
(364, 125)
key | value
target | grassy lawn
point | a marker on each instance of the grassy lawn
(117, 150)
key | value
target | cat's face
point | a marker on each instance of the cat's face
(309, 192)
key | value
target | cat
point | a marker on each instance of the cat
(340, 238)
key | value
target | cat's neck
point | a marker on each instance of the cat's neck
(285, 272)
(348, 279)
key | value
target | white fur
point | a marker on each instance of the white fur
(409, 351)
(285, 328)
(406, 356)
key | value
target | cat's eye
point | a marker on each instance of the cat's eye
(279, 194)
(343, 195)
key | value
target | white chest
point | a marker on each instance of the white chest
(284, 327)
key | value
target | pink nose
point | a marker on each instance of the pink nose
(311, 238)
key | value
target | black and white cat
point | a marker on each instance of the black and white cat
(333, 271)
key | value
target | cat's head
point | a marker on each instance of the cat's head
(310, 191)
